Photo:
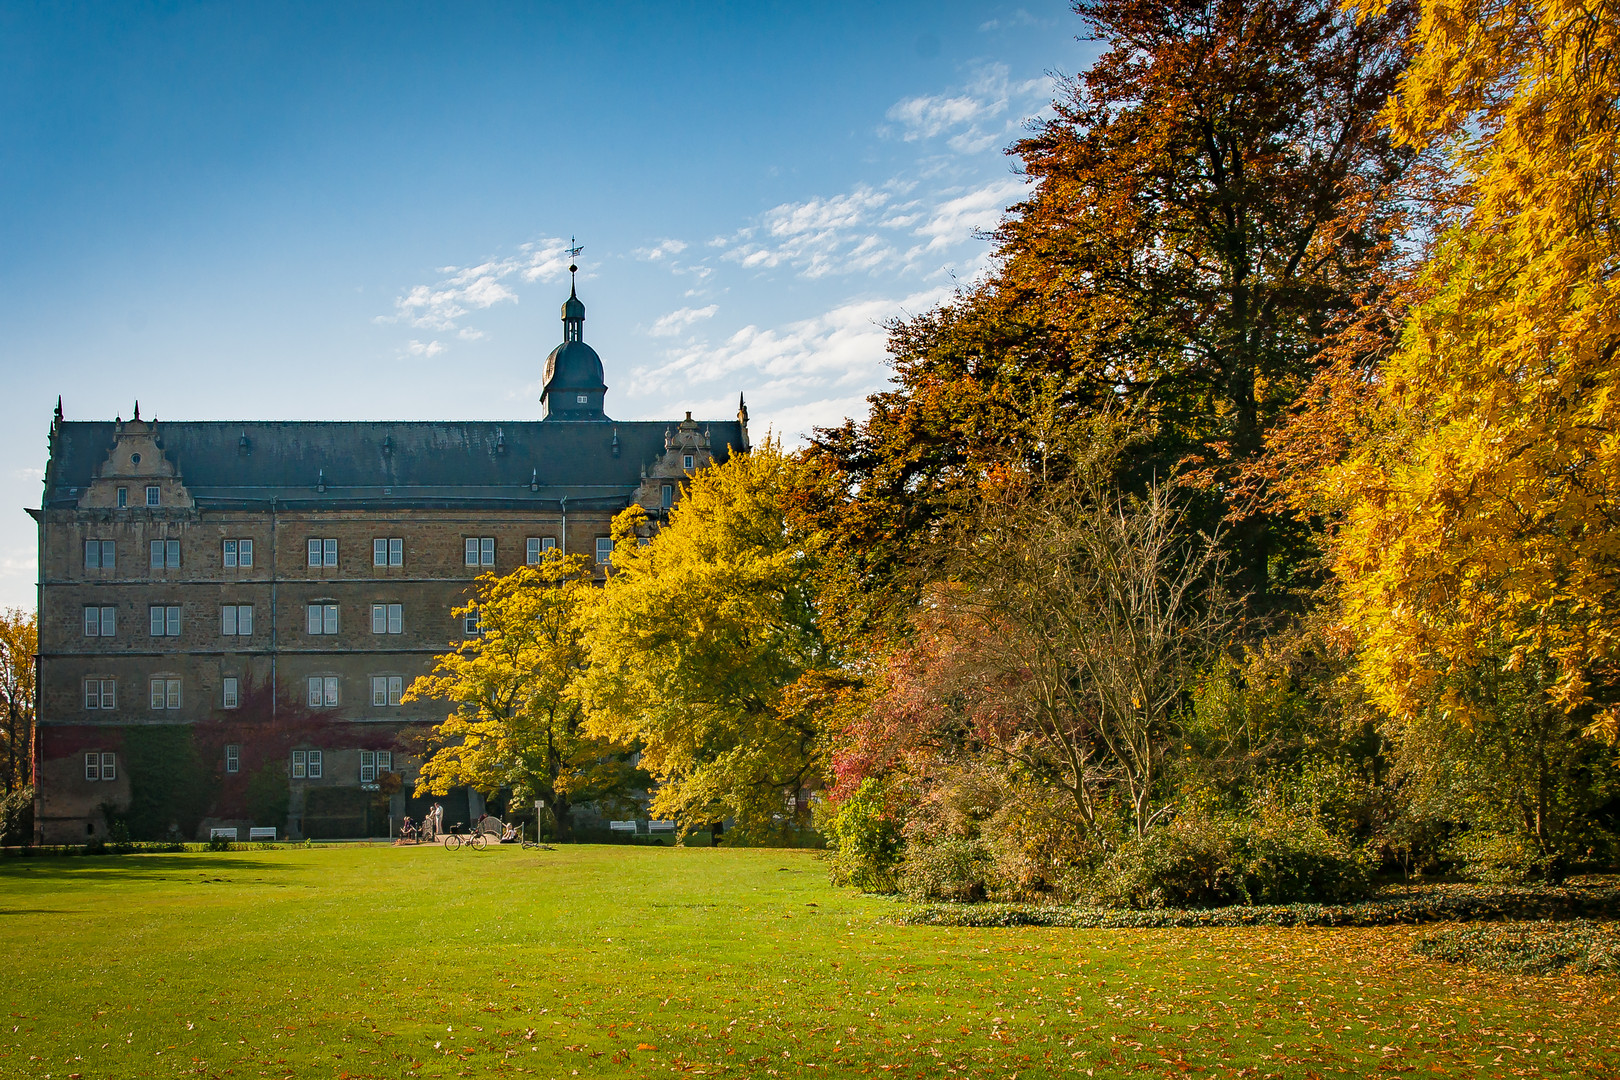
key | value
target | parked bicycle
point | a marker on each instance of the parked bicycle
(455, 839)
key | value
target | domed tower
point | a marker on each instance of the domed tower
(573, 388)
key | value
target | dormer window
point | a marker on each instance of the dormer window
(580, 398)
(686, 462)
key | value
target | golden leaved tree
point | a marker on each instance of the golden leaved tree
(1480, 499)
(517, 722)
(705, 651)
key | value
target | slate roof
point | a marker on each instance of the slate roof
(389, 463)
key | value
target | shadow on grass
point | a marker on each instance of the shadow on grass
(126, 867)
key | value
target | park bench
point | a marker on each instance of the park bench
(218, 831)
(622, 826)
(660, 826)
(257, 833)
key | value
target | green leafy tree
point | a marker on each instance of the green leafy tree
(705, 649)
(517, 720)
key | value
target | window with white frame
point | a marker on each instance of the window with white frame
(387, 689)
(165, 554)
(165, 620)
(687, 461)
(238, 553)
(165, 692)
(153, 494)
(123, 498)
(667, 496)
(538, 546)
(230, 692)
(604, 550)
(306, 763)
(100, 694)
(368, 766)
(321, 618)
(100, 621)
(323, 551)
(236, 620)
(100, 554)
(388, 551)
(469, 623)
(323, 691)
(233, 758)
(480, 551)
(99, 765)
(387, 618)
(385, 761)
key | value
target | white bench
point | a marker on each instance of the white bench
(660, 826)
(257, 833)
(622, 826)
(218, 831)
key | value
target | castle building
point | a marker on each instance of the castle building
(229, 613)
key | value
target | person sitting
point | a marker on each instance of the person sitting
(509, 835)
(408, 830)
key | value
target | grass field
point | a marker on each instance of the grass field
(630, 961)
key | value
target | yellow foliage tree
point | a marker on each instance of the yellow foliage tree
(1480, 500)
(704, 650)
(517, 722)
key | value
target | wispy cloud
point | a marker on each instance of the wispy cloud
(430, 348)
(808, 372)
(1019, 17)
(892, 228)
(977, 116)
(464, 289)
(678, 320)
(664, 249)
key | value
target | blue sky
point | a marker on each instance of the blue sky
(331, 211)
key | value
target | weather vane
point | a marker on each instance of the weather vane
(574, 248)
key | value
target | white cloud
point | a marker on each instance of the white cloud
(977, 116)
(678, 320)
(431, 348)
(464, 289)
(662, 250)
(1019, 17)
(956, 219)
(811, 371)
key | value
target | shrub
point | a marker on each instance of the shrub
(954, 869)
(17, 817)
(219, 843)
(1203, 860)
(1430, 904)
(865, 840)
(1583, 946)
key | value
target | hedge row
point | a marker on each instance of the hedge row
(1446, 904)
(1582, 946)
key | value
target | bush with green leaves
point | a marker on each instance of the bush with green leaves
(956, 869)
(1275, 856)
(1582, 946)
(864, 839)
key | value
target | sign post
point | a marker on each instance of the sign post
(539, 820)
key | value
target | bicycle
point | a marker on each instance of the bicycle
(453, 839)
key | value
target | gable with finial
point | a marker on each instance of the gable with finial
(136, 461)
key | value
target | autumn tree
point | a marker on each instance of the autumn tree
(1073, 622)
(1205, 209)
(517, 723)
(19, 641)
(705, 650)
(1477, 480)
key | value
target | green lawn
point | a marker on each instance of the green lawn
(374, 961)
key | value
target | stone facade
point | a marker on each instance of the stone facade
(229, 612)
